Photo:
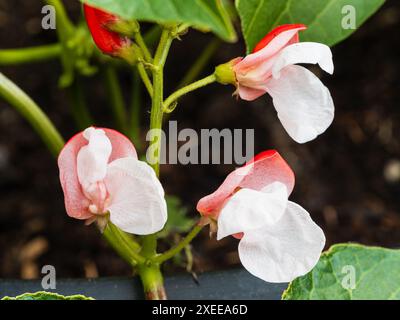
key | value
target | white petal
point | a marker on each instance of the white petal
(137, 203)
(93, 158)
(304, 52)
(249, 209)
(285, 251)
(304, 105)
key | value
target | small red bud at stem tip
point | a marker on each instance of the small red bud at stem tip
(99, 23)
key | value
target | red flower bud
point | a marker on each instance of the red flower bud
(107, 41)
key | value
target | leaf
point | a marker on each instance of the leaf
(42, 295)
(376, 275)
(323, 18)
(178, 220)
(202, 14)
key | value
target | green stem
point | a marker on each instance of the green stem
(199, 65)
(145, 78)
(116, 98)
(185, 90)
(29, 55)
(65, 29)
(64, 24)
(184, 243)
(157, 112)
(142, 45)
(125, 246)
(150, 272)
(153, 282)
(17, 98)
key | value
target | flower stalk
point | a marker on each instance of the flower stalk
(30, 55)
(18, 99)
(173, 98)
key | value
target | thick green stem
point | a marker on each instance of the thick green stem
(123, 245)
(29, 55)
(181, 245)
(157, 112)
(116, 98)
(149, 272)
(17, 98)
(152, 280)
(185, 90)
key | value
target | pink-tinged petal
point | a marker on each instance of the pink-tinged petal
(249, 94)
(122, 147)
(136, 197)
(287, 250)
(304, 52)
(256, 78)
(278, 42)
(263, 170)
(249, 210)
(304, 105)
(76, 203)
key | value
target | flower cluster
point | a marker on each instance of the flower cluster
(104, 181)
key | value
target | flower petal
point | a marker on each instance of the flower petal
(92, 159)
(280, 41)
(264, 169)
(276, 32)
(136, 202)
(249, 94)
(285, 251)
(76, 203)
(249, 210)
(304, 105)
(304, 52)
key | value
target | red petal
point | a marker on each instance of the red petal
(107, 41)
(278, 30)
(264, 169)
(75, 201)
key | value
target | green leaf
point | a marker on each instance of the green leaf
(375, 270)
(42, 295)
(323, 18)
(203, 14)
(178, 220)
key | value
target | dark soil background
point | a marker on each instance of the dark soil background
(348, 179)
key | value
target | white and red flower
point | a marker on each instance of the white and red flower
(304, 105)
(278, 240)
(103, 180)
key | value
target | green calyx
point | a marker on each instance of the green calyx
(130, 54)
(225, 74)
(124, 27)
